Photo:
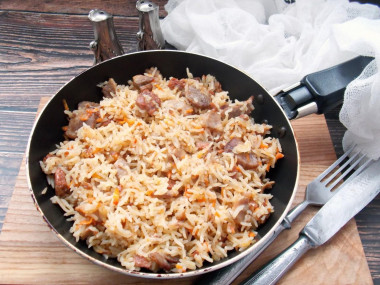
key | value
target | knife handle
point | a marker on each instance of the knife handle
(276, 268)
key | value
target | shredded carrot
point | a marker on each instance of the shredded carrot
(83, 118)
(263, 145)
(65, 128)
(86, 222)
(213, 203)
(268, 167)
(238, 169)
(92, 110)
(135, 141)
(189, 111)
(99, 120)
(200, 154)
(130, 122)
(207, 182)
(95, 175)
(169, 174)
(66, 153)
(201, 200)
(178, 266)
(116, 196)
(158, 87)
(149, 193)
(96, 150)
(252, 234)
(222, 192)
(217, 214)
(279, 155)
(65, 105)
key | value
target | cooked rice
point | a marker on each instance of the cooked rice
(131, 216)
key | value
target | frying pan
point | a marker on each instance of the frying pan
(47, 131)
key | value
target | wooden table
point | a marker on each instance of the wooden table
(43, 44)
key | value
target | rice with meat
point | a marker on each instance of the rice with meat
(164, 174)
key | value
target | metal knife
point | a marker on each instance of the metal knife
(353, 197)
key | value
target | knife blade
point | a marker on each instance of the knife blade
(353, 197)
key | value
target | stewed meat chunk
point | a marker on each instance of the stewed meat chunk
(109, 88)
(197, 98)
(148, 101)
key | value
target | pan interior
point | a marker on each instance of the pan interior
(48, 128)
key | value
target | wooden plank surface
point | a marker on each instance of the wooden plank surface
(26, 237)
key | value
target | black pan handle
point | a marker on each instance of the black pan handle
(321, 91)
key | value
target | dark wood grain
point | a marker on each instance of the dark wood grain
(114, 7)
(44, 51)
(9, 168)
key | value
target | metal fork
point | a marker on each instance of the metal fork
(318, 192)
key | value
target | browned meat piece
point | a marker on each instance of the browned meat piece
(213, 121)
(60, 185)
(232, 143)
(141, 261)
(120, 165)
(142, 82)
(172, 259)
(247, 160)
(197, 98)
(153, 71)
(171, 183)
(148, 101)
(217, 87)
(241, 215)
(162, 261)
(179, 153)
(47, 156)
(240, 108)
(168, 195)
(109, 88)
(74, 124)
(202, 145)
(87, 113)
(174, 82)
(178, 105)
(87, 105)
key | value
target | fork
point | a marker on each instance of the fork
(318, 192)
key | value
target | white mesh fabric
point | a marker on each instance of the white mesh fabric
(276, 43)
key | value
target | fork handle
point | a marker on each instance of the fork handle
(276, 268)
(295, 212)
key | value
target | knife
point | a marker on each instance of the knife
(353, 197)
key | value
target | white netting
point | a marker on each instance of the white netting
(276, 43)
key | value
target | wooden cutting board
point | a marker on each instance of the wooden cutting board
(31, 254)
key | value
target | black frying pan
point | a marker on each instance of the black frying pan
(47, 132)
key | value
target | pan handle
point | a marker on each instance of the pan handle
(321, 91)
